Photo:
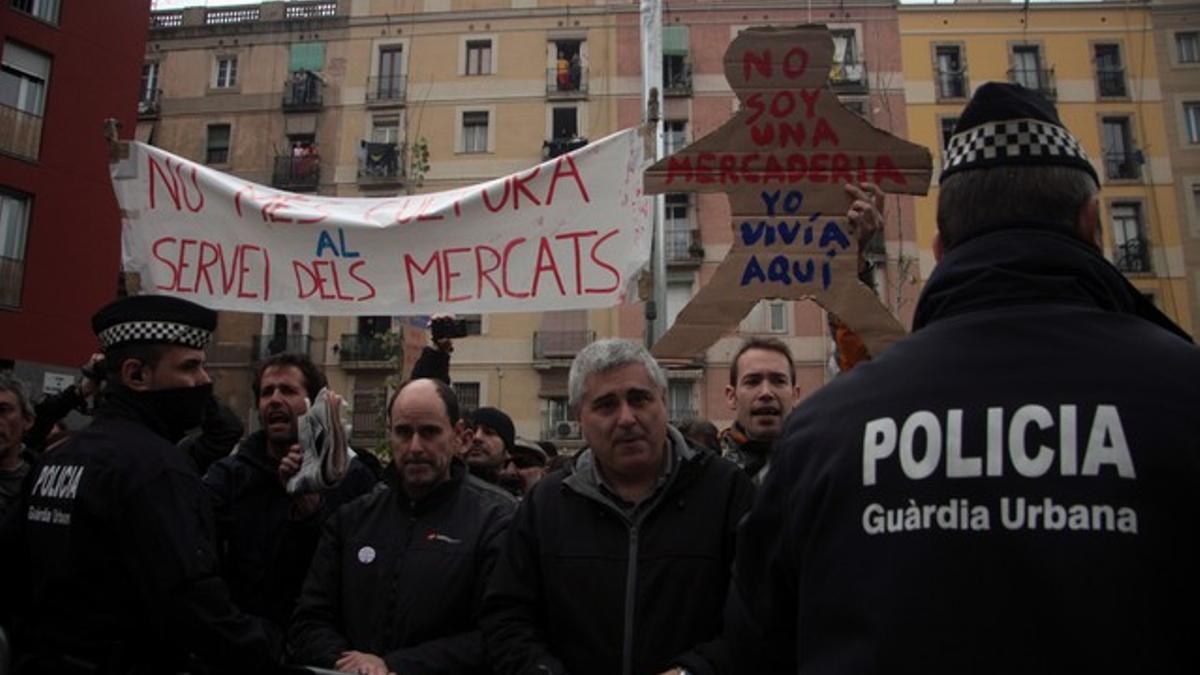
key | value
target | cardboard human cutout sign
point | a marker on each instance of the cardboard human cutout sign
(783, 159)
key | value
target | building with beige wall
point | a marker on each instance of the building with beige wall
(1099, 64)
(339, 97)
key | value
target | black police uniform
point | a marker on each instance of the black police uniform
(1012, 488)
(122, 574)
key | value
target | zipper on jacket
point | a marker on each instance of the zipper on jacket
(630, 592)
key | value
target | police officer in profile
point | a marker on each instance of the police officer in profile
(114, 532)
(1011, 488)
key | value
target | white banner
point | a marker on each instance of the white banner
(570, 233)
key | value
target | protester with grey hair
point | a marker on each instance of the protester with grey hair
(619, 564)
(16, 416)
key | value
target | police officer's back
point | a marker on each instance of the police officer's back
(115, 529)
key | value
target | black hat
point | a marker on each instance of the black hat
(1006, 124)
(497, 421)
(153, 319)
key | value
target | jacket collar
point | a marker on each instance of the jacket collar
(440, 494)
(253, 451)
(585, 479)
(1022, 266)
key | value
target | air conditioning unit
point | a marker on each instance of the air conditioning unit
(566, 429)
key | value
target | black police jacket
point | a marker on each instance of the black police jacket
(1011, 488)
(114, 538)
(588, 589)
(402, 579)
(264, 552)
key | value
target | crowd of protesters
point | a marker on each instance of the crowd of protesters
(1009, 489)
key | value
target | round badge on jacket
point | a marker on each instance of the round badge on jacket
(366, 554)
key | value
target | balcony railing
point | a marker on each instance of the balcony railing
(1040, 80)
(678, 81)
(217, 17)
(561, 146)
(166, 20)
(1133, 255)
(952, 83)
(381, 164)
(20, 132)
(356, 348)
(12, 273)
(560, 344)
(1112, 82)
(297, 173)
(849, 77)
(1122, 165)
(269, 345)
(150, 105)
(303, 92)
(683, 245)
(309, 10)
(389, 90)
(573, 82)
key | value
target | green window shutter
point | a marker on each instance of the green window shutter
(307, 56)
(675, 41)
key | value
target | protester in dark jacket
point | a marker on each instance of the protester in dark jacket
(1012, 488)
(601, 575)
(397, 578)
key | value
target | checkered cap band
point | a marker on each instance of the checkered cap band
(1025, 141)
(155, 332)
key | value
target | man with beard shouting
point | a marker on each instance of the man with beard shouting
(112, 535)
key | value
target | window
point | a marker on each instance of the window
(23, 77)
(847, 67)
(1191, 117)
(857, 106)
(390, 84)
(1196, 203)
(14, 223)
(474, 323)
(1132, 252)
(947, 124)
(479, 57)
(568, 72)
(951, 76)
(1110, 74)
(308, 56)
(475, 131)
(1120, 159)
(468, 395)
(674, 136)
(564, 123)
(1027, 69)
(678, 228)
(677, 71)
(218, 144)
(149, 87)
(46, 10)
(385, 129)
(679, 293)
(767, 316)
(1187, 46)
(225, 72)
(679, 400)
(777, 317)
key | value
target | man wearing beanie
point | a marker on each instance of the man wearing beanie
(491, 438)
(113, 532)
(1009, 489)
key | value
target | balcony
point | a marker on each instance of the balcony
(150, 105)
(549, 345)
(297, 173)
(1040, 80)
(849, 77)
(12, 273)
(677, 80)
(166, 20)
(368, 418)
(310, 10)
(380, 165)
(269, 345)
(568, 85)
(561, 146)
(1133, 256)
(952, 83)
(683, 246)
(1123, 165)
(1111, 82)
(221, 17)
(368, 351)
(391, 90)
(20, 132)
(303, 92)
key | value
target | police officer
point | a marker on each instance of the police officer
(1012, 487)
(115, 529)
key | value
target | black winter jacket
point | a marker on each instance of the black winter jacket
(1012, 488)
(583, 589)
(264, 553)
(402, 579)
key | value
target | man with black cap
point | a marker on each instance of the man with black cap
(114, 529)
(490, 437)
(1012, 487)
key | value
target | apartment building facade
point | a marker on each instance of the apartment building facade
(60, 229)
(381, 97)
(1098, 63)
